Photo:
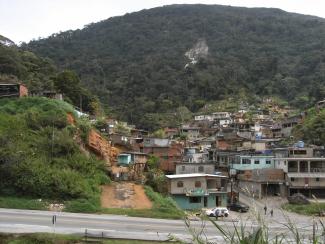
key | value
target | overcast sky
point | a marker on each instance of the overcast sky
(23, 20)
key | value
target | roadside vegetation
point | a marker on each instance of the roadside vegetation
(312, 209)
(62, 239)
(40, 159)
(22, 203)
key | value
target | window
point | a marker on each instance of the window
(195, 199)
(201, 168)
(246, 161)
(197, 183)
(257, 162)
(317, 179)
(292, 179)
(268, 161)
(180, 184)
(183, 168)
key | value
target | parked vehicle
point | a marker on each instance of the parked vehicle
(217, 212)
(239, 207)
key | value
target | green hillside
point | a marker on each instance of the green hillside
(312, 130)
(136, 63)
(38, 155)
(6, 41)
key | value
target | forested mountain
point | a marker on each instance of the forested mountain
(155, 60)
(19, 65)
(6, 41)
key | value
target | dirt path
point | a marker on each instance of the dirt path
(124, 195)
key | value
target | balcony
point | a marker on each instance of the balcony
(203, 192)
(195, 192)
(317, 170)
(216, 190)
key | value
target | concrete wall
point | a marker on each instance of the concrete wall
(315, 165)
(254, 188)
(194, 168)
(259, 146)
(188, 183)
(305, 182)
(263, 175)
(259, 190)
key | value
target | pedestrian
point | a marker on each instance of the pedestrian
(271, 212)
(217, 213)
(265, 210)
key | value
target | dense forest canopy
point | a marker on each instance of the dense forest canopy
(137, 65)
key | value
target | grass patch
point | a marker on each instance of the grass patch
(165, 205)
(38, 238)
(84, 205)
(90, 205)
(22, 203)
(61, 239)
(305, 209)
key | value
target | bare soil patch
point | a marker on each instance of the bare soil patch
(124, 195)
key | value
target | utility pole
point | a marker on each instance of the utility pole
(54, 222)
(231, 191)
(80, 100)
(52, 141)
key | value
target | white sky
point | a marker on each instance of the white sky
(23, 20)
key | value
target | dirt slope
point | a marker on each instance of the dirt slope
(124, 195)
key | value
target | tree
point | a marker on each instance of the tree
(312, 129)
(68, 83)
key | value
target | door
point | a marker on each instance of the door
(217, 201)
(205, 202)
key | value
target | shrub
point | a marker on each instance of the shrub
(38, 155)
(91, 205)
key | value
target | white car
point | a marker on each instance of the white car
(217, 212)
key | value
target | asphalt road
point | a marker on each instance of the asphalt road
(116, 226)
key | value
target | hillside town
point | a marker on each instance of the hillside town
(222, 148)
(210, 159)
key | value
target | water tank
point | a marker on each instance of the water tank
(300, 144)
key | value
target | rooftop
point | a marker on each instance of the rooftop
(194, 176)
